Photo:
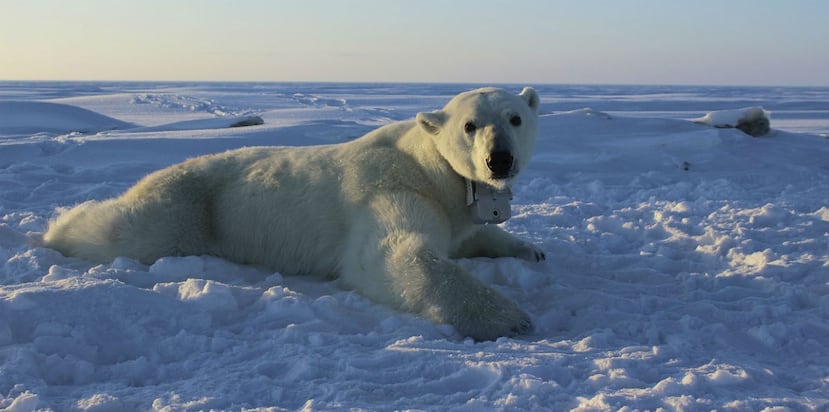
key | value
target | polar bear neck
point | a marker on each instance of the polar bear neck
(484, 203)
(440, 173)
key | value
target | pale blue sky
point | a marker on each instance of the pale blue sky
(724, 42)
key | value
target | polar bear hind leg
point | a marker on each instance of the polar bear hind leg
(163, 215)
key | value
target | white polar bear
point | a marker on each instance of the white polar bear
(384, 213)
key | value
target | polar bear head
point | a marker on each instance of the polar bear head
(487, 135)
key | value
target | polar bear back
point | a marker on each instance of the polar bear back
(297, 210)
(279, 209)
(288, 209)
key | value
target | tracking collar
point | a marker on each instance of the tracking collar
(488, 204)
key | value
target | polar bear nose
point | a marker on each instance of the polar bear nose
(500, 163)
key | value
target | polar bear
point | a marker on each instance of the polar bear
(385, 213)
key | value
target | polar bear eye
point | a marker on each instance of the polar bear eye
(469, 127)
(515, 120)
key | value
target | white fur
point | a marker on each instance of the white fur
(384, 213)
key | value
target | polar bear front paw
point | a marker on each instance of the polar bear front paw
(529, 251)
(495, 317)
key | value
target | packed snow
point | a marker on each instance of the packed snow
(687, 265)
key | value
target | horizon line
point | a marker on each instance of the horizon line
(416, 82)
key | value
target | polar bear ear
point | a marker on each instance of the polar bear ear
(431, 122)
(531, 97)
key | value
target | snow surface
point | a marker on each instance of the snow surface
(688, 266)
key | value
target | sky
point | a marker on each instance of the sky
(718, 42)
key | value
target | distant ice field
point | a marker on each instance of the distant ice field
(800, 109)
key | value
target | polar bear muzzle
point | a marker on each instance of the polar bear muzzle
(500, 163)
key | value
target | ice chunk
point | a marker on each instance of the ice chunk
(753, 121)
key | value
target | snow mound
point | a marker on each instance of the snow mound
(43, 117)
(202, 124)
(29, 118)
(754, 121)
(586, 111)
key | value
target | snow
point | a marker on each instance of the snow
(33, 117)
(688, 266)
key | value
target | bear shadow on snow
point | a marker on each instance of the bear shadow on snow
(385, 213)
